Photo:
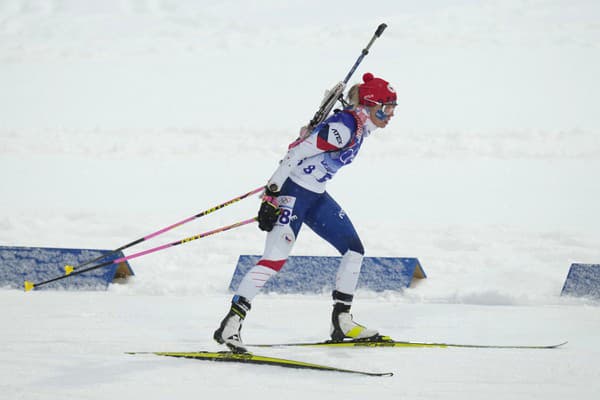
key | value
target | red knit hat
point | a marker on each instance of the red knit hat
(375, 91)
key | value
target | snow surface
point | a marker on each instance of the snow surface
(123, 116)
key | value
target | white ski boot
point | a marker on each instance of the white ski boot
(229, 332)
(342, 323)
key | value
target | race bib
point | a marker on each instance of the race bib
(286, 205)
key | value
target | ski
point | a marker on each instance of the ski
(250, 358)
(386, 341)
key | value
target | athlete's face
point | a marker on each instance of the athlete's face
(381, 114)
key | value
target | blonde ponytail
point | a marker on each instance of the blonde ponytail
(352, 96)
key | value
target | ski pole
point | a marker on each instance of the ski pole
(69, 269)
(30, 285)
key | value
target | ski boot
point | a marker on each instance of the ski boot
(229, 332)
(342, 323)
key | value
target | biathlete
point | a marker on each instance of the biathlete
(296, 195)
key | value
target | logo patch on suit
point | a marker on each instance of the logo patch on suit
(337, 135)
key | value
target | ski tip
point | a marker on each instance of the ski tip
(69, 269)
(28, 286)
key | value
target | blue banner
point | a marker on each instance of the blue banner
(583, 280)
(316, 274)
(37, 264)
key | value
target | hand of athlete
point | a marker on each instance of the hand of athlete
(269, 211)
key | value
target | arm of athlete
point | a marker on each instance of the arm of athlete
(331, 135)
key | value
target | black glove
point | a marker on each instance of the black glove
(269, 211)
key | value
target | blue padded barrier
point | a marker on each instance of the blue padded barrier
(37, 264)
(316, 274)
(583, 280)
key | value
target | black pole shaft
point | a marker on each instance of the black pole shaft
(109, 254)
(365, 51)
(80, 271)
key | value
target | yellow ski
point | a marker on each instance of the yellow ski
(250, 358)
(386, 341)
